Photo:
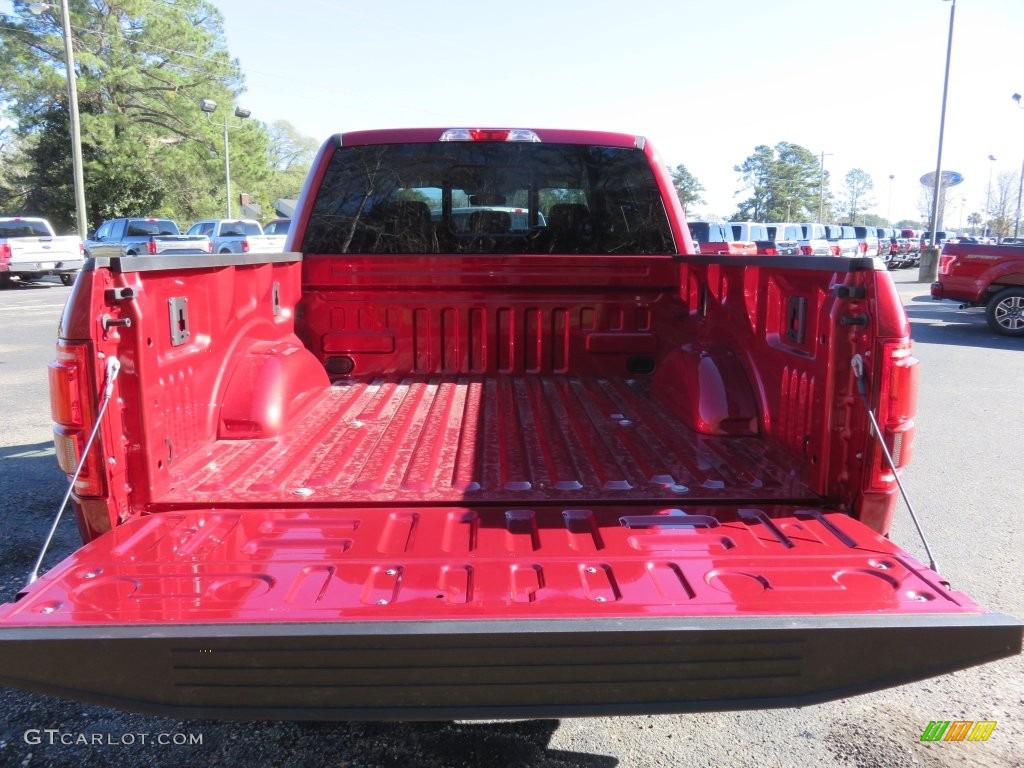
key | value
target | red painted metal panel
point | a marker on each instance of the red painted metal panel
(531, 561)
(623, 343)
(339, 343)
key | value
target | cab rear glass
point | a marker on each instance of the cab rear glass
(23, 228)
(488, 197)
(147, 227)
(703, 232)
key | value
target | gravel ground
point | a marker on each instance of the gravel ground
(965, 481)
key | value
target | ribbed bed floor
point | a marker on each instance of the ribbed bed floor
(445, 439)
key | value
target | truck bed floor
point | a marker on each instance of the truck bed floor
(442, 439)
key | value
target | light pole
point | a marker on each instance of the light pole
(76, 130)
(821, 186)
(929, 268)
(208, 106)
(888, 212)
(1020, 188)
(988, 195)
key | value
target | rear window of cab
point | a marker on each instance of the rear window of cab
(488, 197)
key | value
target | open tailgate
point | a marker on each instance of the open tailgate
(439, 613)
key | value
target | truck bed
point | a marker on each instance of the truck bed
(620, 501)
(441, 439)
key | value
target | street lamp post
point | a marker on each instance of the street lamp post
(75, 125)
(988, 196)
(1020, 188)
(929, 269)
(888, 212)
(821, 187)
(209, 106)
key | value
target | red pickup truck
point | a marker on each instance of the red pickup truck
(990, 276)
(436, 466)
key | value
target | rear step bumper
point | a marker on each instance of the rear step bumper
(425, 670)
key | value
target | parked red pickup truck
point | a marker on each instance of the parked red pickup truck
(434, 466)
(990, 276)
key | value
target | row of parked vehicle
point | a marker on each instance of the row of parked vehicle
(896, 247)
(136, 236)
(30, 249)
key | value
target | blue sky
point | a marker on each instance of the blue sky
(705, 80)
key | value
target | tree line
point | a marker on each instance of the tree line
(147, 148)
(787, 183)
(142, 68)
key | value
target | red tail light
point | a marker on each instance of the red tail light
(770, 251)
(151, 247)
(946, 262)
(897, 404)
(862, 247)
(72, 406)
(806, 250)
(836, 250)
(245, 246)
(5, 252)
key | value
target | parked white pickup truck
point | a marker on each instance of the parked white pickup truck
(29, 249)
(814, 240)
(237, 236)
(842, 239)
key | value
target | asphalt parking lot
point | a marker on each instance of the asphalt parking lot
(965, 481)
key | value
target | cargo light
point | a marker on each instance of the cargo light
(489, 134)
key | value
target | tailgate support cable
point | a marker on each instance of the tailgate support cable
(113, 368)
(857, 364)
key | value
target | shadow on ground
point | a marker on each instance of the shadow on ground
(941, 322)
(518, 744)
